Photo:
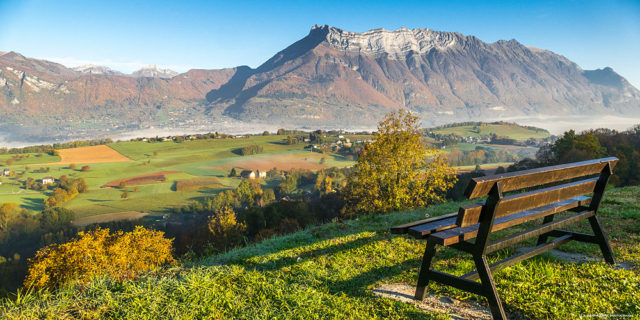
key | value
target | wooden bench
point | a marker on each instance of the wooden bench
(571, 185)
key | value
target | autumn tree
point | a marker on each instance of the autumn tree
(226, 231)
(118, 255)
(8, 210)
(394, 173)
(248, 192)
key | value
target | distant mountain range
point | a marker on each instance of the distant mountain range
(331, 78)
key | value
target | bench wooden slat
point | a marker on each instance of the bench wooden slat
(455, 235)
(528, 200)
(404, 227)
(527, 234)
(423, 230)
(522, 256)
(479, 187)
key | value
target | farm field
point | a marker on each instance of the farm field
(90, 154)
(502, 130)
(109, 217)
(150, 172)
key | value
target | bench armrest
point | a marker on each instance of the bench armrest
(404, 228)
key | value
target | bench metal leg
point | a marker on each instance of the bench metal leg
(423, 276)
(497, 311)
(543, 238)
(602, 239)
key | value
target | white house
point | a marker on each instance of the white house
(6, 172)
(248, 174)
(48, 180)
(261, 174)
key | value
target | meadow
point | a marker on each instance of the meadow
(337, 270)
(506, 130)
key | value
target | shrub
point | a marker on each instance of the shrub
(119, 255)
(252, 149)
(85, 168)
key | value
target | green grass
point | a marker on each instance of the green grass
(502, 130)
(328, 271)
(485, 165)
(32, 159)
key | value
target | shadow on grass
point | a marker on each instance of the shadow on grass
(33, 204)
(290, 260)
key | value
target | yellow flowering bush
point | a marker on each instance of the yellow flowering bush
(119, 255)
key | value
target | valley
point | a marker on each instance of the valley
(151, 169)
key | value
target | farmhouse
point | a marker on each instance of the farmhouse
(248, 174)
(261, 174)
(48, 180)
(6, 172)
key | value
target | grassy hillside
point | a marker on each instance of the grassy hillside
(329, 271)
(507, 130)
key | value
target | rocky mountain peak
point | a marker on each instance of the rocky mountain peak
(394, 44)
(152, 71)
(94, 69)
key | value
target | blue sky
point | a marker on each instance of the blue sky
(210, 34)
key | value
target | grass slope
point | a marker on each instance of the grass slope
(328, 271)
(502, 130)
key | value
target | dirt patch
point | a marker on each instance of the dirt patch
(456, 309)
(141, 179)
(197, 183)
(91, 154)
(280, 162)
(109, 217)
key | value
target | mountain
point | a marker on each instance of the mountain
(336, 76)
(93, 69)
(152, 71)
(329, 79)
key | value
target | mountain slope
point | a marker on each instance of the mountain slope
(329, 79)
(338, 76)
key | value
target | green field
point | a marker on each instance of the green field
(330, 271)
(502, 130)
(198, 158)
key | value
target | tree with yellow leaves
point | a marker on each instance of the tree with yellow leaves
(120, 256)
(226, 231)
(394, 172)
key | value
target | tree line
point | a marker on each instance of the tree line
(593, 144)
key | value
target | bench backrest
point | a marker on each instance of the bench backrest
(593, 176)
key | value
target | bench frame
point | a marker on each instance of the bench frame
(487, 218)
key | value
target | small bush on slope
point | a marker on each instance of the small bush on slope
(121, 255)
(327, 272)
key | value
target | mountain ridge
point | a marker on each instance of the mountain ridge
(329, 78)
